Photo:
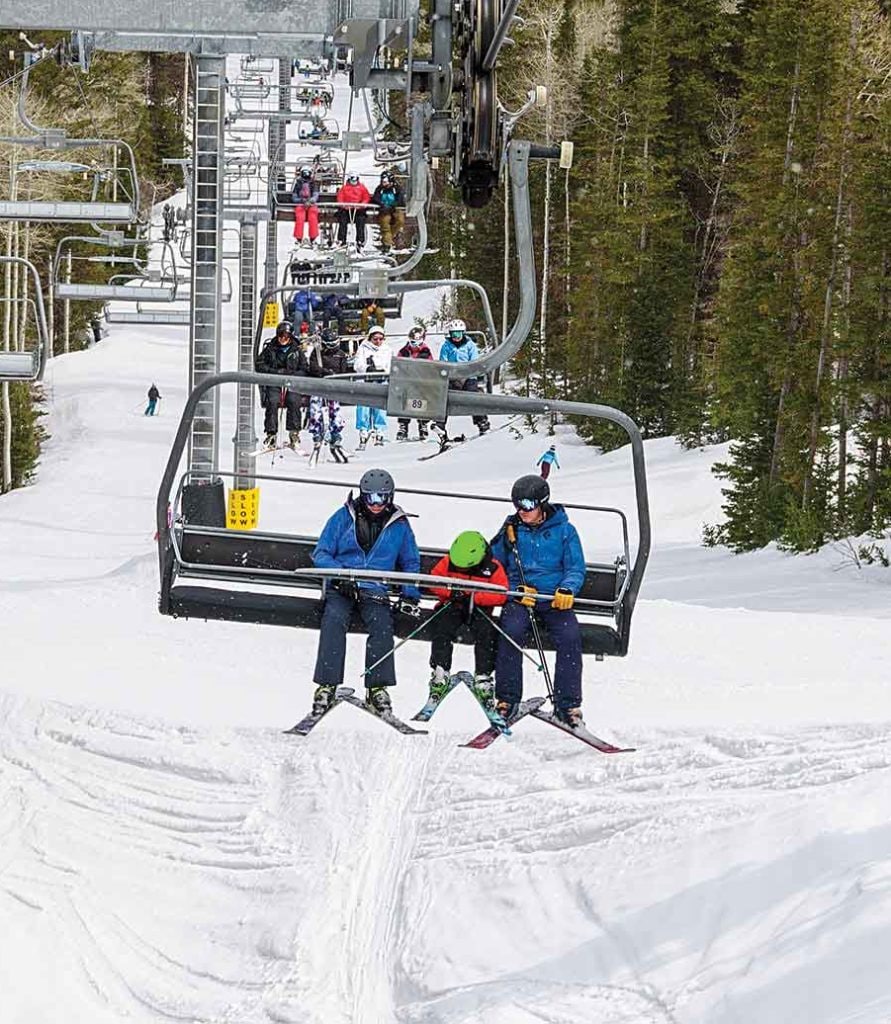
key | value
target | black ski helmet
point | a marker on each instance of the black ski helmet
(376, 483)
(529, 492)
(417, 334)
(329, 337)
(285, 327)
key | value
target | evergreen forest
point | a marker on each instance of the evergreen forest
(717, 262)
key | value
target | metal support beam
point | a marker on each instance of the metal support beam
(207, 244)
(245, 439)
(277, 145)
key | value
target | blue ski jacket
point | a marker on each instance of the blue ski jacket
(465, 353)
(395, 550)
(551, 553)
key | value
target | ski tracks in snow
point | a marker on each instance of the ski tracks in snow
(356, 877)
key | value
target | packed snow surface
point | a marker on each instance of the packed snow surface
(167, 854)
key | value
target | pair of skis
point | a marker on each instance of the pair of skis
(346, 695)
(337, 453)
(532, 706)
(499, 727)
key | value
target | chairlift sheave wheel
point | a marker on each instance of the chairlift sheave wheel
(479, 156)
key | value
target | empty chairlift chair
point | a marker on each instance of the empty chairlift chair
(143, 284)
(109, 185)
(27, 364)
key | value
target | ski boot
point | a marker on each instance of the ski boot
(363, 440)
(483, 426)
(502, 713)
(322, 699)
(378, 699)
(337, 452)
(293, 439)
(271, 440)
(570, 716)
(439, 683)
(402, 432)
(484, 688)
(422, 431)
(378, 439)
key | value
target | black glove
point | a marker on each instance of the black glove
(346, 589)
(410, 606)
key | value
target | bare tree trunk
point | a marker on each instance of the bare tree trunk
(842, 377)
(4, 388)
(779, 432)
(826, 326)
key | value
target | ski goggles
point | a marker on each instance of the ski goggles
(526, 504)
(377, 497)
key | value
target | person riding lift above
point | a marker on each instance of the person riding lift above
(458, 347)
(372, 356)
(282, 355)
(355, 197)
(415, 348)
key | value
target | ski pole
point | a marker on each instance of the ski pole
(405, 639)
(511, 534)
(513, 642)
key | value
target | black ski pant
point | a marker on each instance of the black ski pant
(471, 384)
(444, 628)
(271, 400)
(563, 629)
(422, 427)
(378, 618)
(344, 217)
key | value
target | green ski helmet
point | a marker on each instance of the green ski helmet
(468, 550)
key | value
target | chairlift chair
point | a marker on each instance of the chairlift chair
(149, 285)
(26, 365)
(108, 181)
(210, 572)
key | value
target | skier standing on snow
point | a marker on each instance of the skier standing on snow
(459, 348)
(325, 361)
(389, 199)
(154, 396)
(470, 558)
(282, 355)
(547, 460)
(415, 348)
(372, 356)
(541, 551)
(367, 532)
(356, 197)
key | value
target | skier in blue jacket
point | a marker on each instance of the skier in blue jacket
(367, 532)
(553, 562)
(547, 460)
(459, 348)
(303, 306)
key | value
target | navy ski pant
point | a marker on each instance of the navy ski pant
(378, 618)
(563, 629)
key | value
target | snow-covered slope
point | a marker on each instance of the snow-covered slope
(166, 854)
